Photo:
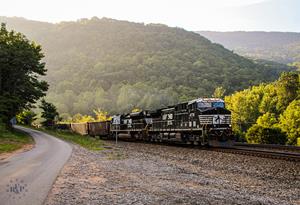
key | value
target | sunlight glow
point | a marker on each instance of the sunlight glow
(220, 15)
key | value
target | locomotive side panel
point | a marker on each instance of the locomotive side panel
(203, 121)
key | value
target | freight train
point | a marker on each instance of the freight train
(203, 121)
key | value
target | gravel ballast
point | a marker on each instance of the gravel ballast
(137, 173)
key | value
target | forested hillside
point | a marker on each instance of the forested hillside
(118, 65)
(268, 113)
(283, 47)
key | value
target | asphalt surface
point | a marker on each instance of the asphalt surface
(26, 178)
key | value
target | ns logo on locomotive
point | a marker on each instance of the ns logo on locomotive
(203, 121)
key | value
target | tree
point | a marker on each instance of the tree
(219, 92)
(77, 117)
(244, 107)
(26, 117)
(264, 104)
(49, 113)
(288, 87)
(20, 68)
(87, 118)
(136, 110)
(295, 64)
(269, 99)
(267, 120)
(101, 116)
(261, 135)
(290, 121)
(82, 118)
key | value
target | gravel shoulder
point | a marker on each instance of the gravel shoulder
(136, 173)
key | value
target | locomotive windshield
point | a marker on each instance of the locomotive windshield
(218, 104)
(203, 104)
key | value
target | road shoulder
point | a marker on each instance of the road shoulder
(13, 142)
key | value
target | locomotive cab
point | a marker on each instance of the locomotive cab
(215, 120)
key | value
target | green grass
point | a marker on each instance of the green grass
(12, 140)
(84, 141)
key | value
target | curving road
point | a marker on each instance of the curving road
(27, 177)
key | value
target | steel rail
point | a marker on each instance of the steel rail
(269, 146)
(260, 153)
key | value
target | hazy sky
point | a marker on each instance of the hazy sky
(217, 15)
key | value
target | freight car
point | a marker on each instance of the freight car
(203, 121)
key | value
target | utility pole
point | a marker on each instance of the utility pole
(116, 134)
(117, 125)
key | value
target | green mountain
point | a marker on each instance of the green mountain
(119, 65)
(283, 47)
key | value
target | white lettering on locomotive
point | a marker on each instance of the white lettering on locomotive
(215, 119)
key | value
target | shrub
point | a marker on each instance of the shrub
(263, 135)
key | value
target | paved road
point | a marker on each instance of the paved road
(27, 177)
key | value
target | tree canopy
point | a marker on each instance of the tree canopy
(119, 65)
(20, 69)
(271, 109)
(26, 117)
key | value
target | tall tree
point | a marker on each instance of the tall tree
(20, 68)
(288, 87)
(49, 113)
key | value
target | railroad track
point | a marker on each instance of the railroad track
(252, 150)
(269, 146)
(289, 156)
(244, 150)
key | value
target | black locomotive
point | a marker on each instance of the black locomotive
(203, 121)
